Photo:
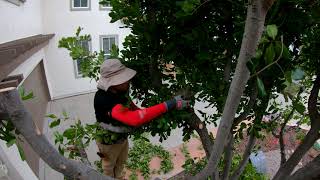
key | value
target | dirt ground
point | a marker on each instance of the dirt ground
(292, 139)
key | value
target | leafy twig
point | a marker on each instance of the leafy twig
(199, 6)
(274, 62)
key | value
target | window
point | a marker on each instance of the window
(87, 46)
(17, 2)
(79, 5)
(106, 42)
(105, 6)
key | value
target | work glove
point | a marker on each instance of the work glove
(178, 102)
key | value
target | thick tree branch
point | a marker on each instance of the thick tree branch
(281, 134)
(254, 26)
(282, 129)
(10, 103)
(228, 158)
(312, 103)
(203, 132)
(273, 132)
(245, 158)
(282, 146)
(309, 171)
(83, 155)
(286, 169)
(313, 135)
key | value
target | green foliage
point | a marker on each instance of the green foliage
(193, 166)
(133, 176)
(261, 88)
(23, 94)
(300, 135)
(98, 164)
(141, 154)
(89, 61)
(8, 132)
(272, 31)
(202, 41)
(198, 39)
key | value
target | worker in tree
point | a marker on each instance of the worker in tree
(112, 107)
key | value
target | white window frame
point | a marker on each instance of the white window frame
(87, 8)
(17, 2)
(108, 36)
(75, 63)
(101, 7)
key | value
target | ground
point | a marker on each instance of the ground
(269, 145)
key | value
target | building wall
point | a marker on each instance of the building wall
(37, 106)
(60, 20)
(20, 21)
(17, 169)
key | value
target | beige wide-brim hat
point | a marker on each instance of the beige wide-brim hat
(113, 72)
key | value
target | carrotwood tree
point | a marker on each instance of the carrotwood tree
(240, 56)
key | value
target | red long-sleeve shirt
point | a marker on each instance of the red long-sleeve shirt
(138, 117)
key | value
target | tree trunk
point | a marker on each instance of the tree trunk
(256, 14)
(285, 170)
(202, 130)
(11, 104)
(309, 171)
(228, 158)
(311, 137)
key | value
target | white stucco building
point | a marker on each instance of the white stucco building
(29, 35)
(62, 19)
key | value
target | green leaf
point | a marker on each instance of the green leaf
(21, 152)
(69, 133)
(28, 96)
(278, 46)
(61, 150)
(114, 53)
(299, 107)
(264, 40)
(270, 54)
(288, 76)
(78, 31)
(21, 91)
(11, 142)
(272, 31)
(261, 88)
(286, 52)
(298, 74)
(258, 54)
(55, 123)
(52, 116)
(65, 115)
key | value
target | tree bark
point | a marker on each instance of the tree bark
(228, 158)
(256, 14)
(83, 155)
(313, 135)
(282, 129)
(203, 132)
(245, 158)
(309, 171)
(286, 169)
(11, 104)
(282, 147)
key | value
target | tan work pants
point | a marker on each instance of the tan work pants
(114, 158)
